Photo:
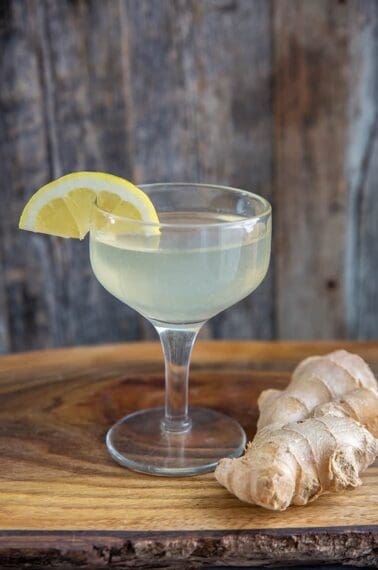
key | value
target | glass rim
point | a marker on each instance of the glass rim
(266, 204)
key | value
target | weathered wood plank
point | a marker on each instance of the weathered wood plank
(362, 155)
(4, 322)
(155, 45)
(61, 110)
(234, 126)
(181, 89)
(139, 95)
(366, 298)
(201, 109)
(82, 54)
(311, 94)
(160, 118)
(25, 165)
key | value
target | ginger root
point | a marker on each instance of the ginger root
(315, 381)
(293, 462)
(361, 405)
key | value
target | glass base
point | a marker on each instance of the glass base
(138, 441)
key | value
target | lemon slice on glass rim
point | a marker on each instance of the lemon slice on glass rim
(64, 206)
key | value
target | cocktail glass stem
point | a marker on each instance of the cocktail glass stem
(177, 342)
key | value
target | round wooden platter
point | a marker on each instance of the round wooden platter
(65, 503)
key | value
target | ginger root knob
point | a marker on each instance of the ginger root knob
(334, 403)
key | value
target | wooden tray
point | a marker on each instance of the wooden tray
(65, 503)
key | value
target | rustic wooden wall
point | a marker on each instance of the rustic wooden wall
(275, 95)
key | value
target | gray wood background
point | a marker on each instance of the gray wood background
(280, 96)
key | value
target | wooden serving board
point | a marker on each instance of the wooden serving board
(65, 503)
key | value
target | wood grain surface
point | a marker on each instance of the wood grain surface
(62, 498)
(277, 96)
(311, 126)
(362, 161)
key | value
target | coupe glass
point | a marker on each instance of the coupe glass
(210, 250)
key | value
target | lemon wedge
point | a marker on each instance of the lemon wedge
(63, 207)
